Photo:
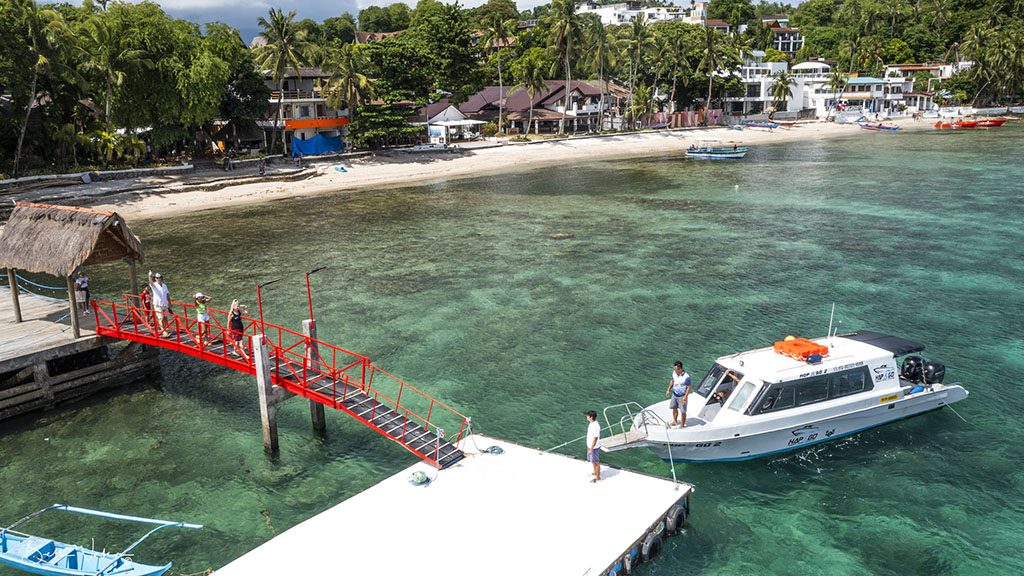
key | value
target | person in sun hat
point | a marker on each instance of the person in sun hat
(201, 314)
(161, 300)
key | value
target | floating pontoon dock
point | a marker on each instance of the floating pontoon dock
(520, 512)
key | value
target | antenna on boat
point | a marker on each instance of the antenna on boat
(828, 334)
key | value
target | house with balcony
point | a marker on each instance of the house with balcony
(625, 12)
(757, 77)
(306, 117)
(785, 39)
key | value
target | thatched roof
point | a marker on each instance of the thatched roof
(56, 240)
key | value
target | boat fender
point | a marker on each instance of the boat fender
(419, 478)
(814, 359)
(650, 548)
(494, 450)
(631, 559)
(616, 570)
(674, 519)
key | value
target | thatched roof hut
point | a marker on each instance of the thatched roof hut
(56, 240)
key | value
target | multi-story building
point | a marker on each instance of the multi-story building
(785, 39)
(625, 12)
(758, 77)
(305, 113)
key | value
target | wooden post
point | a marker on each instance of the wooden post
(133, 279)
(12, 279)
(74, 309)
(316, 409)
(268, 405)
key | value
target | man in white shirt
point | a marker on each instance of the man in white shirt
(594, 443)
(677, 393)
(161, 300)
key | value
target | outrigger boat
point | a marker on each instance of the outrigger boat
(712, 150)
(794, 394)
(768, 125)
(878, 126)
(48, 557)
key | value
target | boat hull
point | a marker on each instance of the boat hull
(697, 444)
(50, 558)
(717, 155)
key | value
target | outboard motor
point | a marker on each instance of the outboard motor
(933, 372)
(911, 369)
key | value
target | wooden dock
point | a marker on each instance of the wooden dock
(42, 365)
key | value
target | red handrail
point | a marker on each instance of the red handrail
(304, 360)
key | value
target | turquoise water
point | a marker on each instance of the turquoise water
(458, 287)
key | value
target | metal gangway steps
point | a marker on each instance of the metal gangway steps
(301, 365)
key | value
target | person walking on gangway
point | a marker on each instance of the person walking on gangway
(594, 444)
(161, 300)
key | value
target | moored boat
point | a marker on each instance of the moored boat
(768, 125)
(794, 394)
(712, 150)
(39, 555)
(991, 122)
(878, 126)
(944, 125)
(966, 124)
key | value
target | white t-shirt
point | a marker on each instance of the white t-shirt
(680, 382)
(593, 431)
(160, 294)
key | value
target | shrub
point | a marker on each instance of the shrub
(489, 129)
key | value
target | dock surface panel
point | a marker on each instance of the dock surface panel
(521, 512)
(40, 329)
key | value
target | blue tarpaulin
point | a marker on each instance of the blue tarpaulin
(318, 144)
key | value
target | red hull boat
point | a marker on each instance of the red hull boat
(991, 122)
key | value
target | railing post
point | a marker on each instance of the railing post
(316, 409)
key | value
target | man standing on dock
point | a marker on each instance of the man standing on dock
(677, 393)
(594, 443)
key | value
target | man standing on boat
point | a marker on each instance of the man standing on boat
(677, 393)
(594, 444)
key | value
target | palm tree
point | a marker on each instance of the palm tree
(638, 42)
(659, 53)
(530, 76)
(894, 9)
(106, 145)
(836, 83)
(45, 28)
(565, 33)
(496, 36)
(285, 48)
(782, 88)
(603, 49)
(641, 105)
(710, 61)
(348, 83)
(678, 63)
(101, 43)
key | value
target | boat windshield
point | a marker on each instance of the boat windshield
(740, 397)
(711, 380)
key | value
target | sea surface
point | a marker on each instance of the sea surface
(458, 287)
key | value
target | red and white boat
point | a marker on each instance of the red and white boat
(991, 122)
(966, 124)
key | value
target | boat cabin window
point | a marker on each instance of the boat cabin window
(725, 380)
(710, 380)
(740, 396)
(783, 395)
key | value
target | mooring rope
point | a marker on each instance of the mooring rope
(36, 284)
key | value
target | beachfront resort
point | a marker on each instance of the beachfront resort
(493, 288)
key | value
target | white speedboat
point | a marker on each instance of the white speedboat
(795, 394)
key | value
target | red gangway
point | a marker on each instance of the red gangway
(321, 372)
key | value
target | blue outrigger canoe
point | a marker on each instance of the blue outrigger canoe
(47, 557)
(768, 125)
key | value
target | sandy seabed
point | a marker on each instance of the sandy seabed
(401, 168)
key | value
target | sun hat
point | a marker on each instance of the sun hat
(199, 295)
(158, 275)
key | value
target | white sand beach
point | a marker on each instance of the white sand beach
(396, 168)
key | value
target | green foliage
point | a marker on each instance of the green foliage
(898, 52)
(773, 55)
(338, 31)
(735, 12)
(381, 125)
(389, 18)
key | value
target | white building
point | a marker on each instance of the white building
(306, 113)
(758, 77)
(625, 12)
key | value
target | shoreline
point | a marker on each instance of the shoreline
(397, 169)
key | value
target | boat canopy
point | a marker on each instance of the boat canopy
(898, 346)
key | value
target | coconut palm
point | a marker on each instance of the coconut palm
(106, 55)
(348, 84)
(497, 33)
(836, 83)
(711, 60)
(131, 147)
(285, 49)
(678, 63)
(565, 36)
(45, 30)
(603, 49)
(530, 76)
(105, 143)
(782, 87)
